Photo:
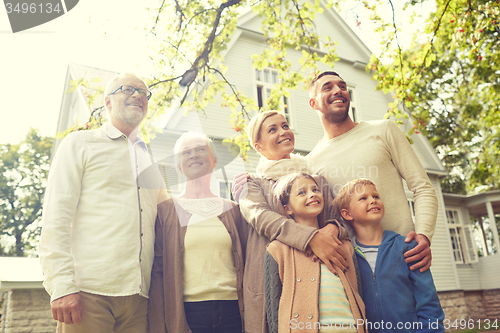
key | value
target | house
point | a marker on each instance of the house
(25, 305)
(467, 284)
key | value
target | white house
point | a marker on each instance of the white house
(468, 285)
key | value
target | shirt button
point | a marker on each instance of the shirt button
(138, 188)
(142, 235)
(312, 279)
(310, 316)
(298, 279)
(295, 315)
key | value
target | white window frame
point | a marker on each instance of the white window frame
(462, 241)
(411, 204)
(222, 184)
(353, 108)
(263, 86)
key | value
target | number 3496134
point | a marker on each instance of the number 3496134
(32, 8)
(470, 324)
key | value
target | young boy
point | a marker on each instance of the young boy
(302, 295)
(396, 298)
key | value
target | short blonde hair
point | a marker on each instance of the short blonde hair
(255, 125)
(343, 198)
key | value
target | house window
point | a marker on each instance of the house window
(352, 108)
(265, 81)
(461, 238)
(411, 203)
(225, 190)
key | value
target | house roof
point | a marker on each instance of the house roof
(20, 273)
(475, 203)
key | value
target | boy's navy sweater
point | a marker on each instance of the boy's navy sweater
(396, 298)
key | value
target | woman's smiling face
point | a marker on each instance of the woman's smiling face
(276, 138)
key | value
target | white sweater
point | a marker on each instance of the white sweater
(379, 151)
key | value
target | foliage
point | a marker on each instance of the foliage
(23, 173)
(449, 84)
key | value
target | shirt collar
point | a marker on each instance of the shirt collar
(114, 133)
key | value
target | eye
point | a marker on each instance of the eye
(201, 149)
(128, 89)
(301, 192)
(272, 130)
(362, 198)
(285, 126)
(185, 152)
(315, 190)
(375, 197)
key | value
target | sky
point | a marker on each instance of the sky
(105, 34)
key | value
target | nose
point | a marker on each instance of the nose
(136, 92)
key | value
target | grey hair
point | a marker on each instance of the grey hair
(198, 135)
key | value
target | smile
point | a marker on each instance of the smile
(133, 104)
(284, 141)
(195, 165)
(374, 210)
(313, 203)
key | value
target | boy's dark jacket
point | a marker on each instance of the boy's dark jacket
(394, 295)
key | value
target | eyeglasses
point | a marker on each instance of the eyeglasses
(128, 90)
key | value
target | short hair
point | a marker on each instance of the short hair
(284, 185)
(190, 135)
(255, 125)
(112, 82)
(312, 86)
(343, 198)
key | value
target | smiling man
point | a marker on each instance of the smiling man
(96, 247)
(376, 150)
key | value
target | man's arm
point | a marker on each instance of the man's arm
(426, 205)
(60, 203)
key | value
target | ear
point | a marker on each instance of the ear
(107, 102)
(312, 103)
(346, 215)
(288, 210)
(258, 147)
(179, 169)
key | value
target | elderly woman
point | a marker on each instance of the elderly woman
(197, 277)
(273, 139)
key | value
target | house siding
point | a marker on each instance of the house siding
(443, 266)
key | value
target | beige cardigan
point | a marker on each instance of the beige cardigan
(260, 208)
(300, 279)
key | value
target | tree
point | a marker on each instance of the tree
(23, 174)
(450, 84)
(447, 82)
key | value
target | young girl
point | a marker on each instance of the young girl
(302, 295)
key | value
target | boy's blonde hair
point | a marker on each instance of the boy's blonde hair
(284, 185)
(343, 198)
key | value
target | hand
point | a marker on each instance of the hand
(327, 249)
(68, 309)
(420, 253)
(240, 188)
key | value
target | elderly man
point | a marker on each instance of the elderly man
(96, 247)
(377, 150)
